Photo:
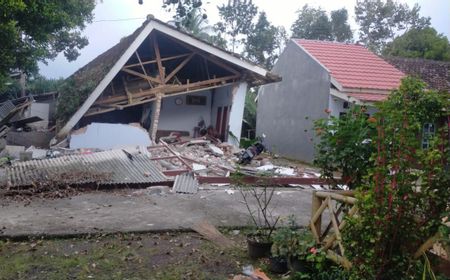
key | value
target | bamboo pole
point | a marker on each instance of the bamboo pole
(155, 117)
(338, 197)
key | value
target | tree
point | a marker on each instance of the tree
(312, 23)
(184, 9)
(32, 31)
(196, 24)
(340, 29)
(262, 42)
(379, 21)
(236, 19)
(420, 43)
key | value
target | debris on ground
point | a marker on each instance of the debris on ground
(211, 233)
(185, 164)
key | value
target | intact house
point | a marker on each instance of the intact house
(320, 78)
(164, 79)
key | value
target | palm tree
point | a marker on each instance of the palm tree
(196, 23)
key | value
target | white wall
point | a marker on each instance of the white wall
(336, 105)
(237, 113)
(184, 117)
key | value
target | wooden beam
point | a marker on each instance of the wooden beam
(173, 88)
(143, 68)
(316, 225)
(140, 75)
(178, 68)
(207, 57)
(158, 60)
(155, 116)
(129, 95)
(154, 60)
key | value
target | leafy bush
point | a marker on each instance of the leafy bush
(404, 199)
(345, 146)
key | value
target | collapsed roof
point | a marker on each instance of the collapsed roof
(86, 85)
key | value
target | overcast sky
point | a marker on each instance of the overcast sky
(104, 32)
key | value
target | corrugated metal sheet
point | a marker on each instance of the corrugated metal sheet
(6, 108)
(185, 183)
(103, 168)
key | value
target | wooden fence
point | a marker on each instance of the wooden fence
(339, 205)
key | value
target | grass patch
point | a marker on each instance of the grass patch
(133, 256)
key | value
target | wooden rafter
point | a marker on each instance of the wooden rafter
(154, 60)
(147, 99)
(158, 60)
(179, 67)
(207, 57)
(140, 75)
(166, 89)
(129, 95)
(143, 68)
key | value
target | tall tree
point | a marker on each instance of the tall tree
(183, 9)
(32, 31)
(262, 42)
(236, 20)
(379, 21)
(196, 24)
(340, 29)
(420, 43)
(312, 23)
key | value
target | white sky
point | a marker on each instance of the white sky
(104, 34)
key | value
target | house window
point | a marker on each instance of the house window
(195, 100)
(427, 133)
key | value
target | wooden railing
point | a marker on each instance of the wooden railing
(339, 204)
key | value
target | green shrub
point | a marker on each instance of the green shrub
(403, 200)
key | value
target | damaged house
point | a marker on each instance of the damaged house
(319, 77)
(163, 80)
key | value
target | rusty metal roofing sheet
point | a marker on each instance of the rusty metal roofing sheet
(112, 167)
(185, 183)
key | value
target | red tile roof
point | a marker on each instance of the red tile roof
(352, 65)
(368, 97)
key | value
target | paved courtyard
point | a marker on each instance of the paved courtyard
(140, 211)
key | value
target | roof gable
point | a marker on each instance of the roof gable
(352, 65)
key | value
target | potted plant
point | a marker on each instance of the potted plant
(285, 240)
(257, 200)
(300, 259)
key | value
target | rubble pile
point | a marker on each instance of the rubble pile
(198, 155)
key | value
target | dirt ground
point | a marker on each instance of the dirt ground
(125, 256)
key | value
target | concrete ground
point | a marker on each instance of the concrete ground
(151, 209)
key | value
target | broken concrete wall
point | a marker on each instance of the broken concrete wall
(41, 110)
(222, 99)
(237, 114)
(287, 110)
(109, 136)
